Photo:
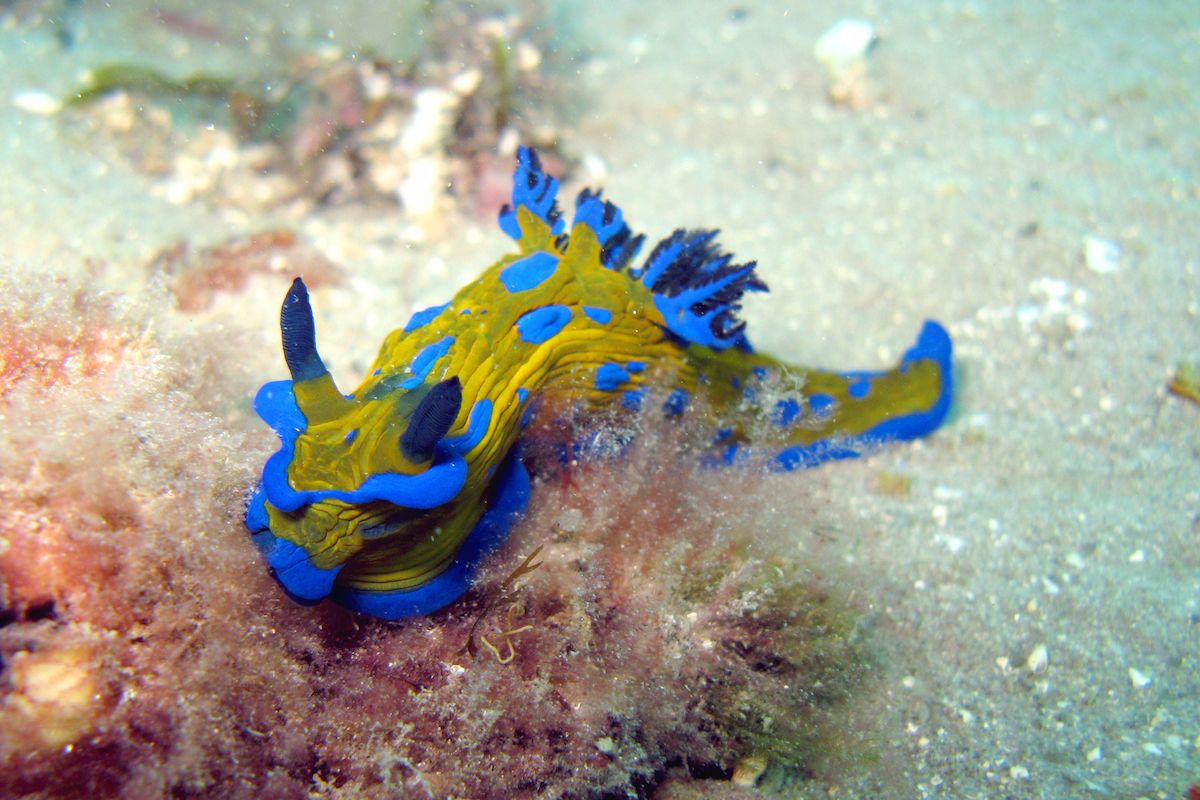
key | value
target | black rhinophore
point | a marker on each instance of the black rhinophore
(300, 334)
(431, 420)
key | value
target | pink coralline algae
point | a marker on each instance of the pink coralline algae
(664, 638)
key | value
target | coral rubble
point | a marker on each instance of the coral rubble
(322, 124)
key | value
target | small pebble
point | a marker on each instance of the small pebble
(893, 484)
(527, 57)
(1019, 773)
(594, 167)
(606, 745)
(1094, 754)
(748, 770)
(843, 52)
(1038, 660)
(570, 520)
(1101, 255)
(1137, 556)
(466, 82)
(1139, 679)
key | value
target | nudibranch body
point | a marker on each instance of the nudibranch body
(387, 499)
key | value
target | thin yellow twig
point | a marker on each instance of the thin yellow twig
(503, 592)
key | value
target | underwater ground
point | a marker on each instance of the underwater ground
(1010, 608)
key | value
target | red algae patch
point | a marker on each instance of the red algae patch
(668, 638)
(198, 278)
(45, 353)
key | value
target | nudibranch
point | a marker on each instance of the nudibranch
(387, 499)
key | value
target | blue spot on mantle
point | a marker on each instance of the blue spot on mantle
(423, 318)
(609, 376)
(529, 272)
(423, 364)
(542, 323)
(597, 314)
(786, 411)
(821, 404)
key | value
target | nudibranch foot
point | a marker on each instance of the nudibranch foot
(289, 563)
(387, 499)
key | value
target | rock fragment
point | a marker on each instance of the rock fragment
(844, 52)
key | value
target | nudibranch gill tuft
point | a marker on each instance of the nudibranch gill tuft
(386, 500)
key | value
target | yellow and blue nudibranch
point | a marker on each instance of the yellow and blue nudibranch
(387, 499)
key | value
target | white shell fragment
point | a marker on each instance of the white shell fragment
(1101, 255)
(422, 191)
(33, 101)
(849, 40)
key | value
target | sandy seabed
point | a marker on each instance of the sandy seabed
(1035, 594)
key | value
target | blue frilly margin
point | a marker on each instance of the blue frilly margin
(276, 404)
(508, 499)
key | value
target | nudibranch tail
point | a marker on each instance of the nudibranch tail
(388, 498)
(803, 417)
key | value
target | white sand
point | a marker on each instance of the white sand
(1060, 507)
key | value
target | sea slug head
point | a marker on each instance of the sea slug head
(352, 470)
